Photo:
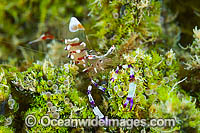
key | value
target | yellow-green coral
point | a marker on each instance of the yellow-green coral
(141, 17)
(55, 94)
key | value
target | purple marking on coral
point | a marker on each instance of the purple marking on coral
(129, 66)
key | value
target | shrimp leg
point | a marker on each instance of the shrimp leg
(96, 110)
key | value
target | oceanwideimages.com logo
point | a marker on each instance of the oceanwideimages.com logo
(46, 121)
